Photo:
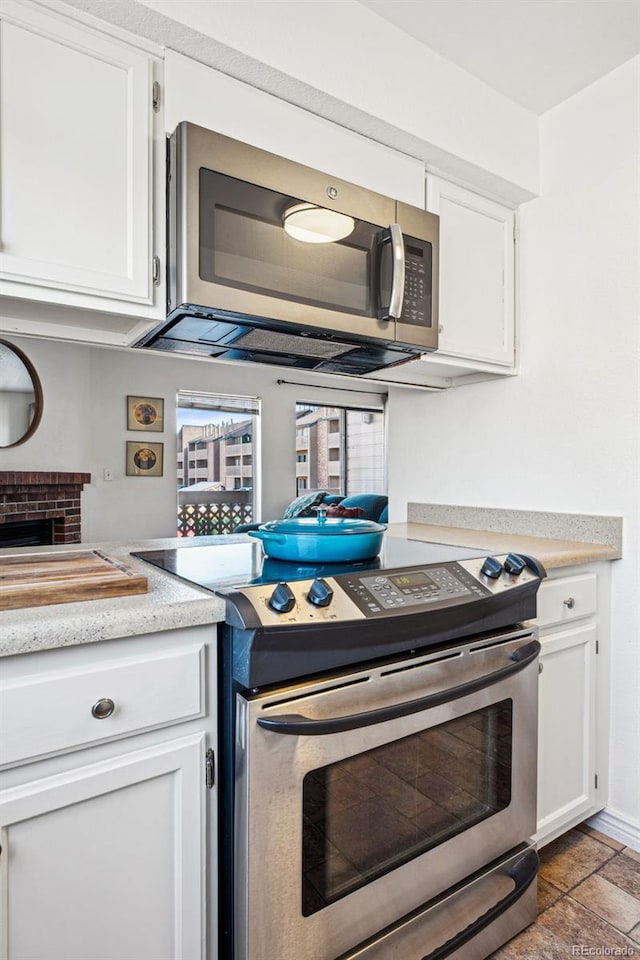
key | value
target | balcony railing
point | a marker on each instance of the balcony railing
(238, 449)
(202, 513)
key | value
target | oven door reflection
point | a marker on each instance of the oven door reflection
(369, 814)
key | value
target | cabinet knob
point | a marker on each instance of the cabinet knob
(103, 708)
(540, 667)
(570, 603)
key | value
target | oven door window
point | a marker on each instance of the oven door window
(243, 244)
(368, 814)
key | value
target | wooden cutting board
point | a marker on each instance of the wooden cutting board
(43, 578)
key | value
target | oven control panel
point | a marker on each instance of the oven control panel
(383, 593)
(404, 589)
(437, 585)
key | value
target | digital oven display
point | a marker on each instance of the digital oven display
(412, 580)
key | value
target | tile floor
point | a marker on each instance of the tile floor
(588, 901)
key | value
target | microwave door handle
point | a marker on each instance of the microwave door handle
(397, 277)
(297, 725)
(393, 236)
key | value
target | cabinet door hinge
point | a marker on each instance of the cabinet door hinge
(155, 270)
(210, 769)
(155, 96)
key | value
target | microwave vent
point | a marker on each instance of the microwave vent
(273, 341)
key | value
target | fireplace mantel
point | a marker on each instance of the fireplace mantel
(39, 495)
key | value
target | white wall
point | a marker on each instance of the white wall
(565, 434)
(83, 428)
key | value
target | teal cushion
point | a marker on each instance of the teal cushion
(372, 503)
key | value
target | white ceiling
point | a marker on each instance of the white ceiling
(536, 52)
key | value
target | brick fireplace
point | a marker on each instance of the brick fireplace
(49, 501)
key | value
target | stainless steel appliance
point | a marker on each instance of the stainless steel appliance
(379, 753)
(275, 262)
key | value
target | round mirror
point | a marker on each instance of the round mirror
(20, 396)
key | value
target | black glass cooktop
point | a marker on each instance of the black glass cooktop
(219, 564)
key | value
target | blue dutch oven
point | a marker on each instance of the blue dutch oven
(320, 539)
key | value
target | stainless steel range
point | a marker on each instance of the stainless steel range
(379, 760)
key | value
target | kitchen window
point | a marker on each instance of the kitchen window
(216, 438)
(340, 449)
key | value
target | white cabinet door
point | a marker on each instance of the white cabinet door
(476, 274)
(105, 861)
(75, 159)
(567, 744)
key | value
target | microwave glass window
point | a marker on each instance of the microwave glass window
(258, 255)
(368, 814)
(243, 244)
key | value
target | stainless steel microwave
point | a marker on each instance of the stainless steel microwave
(274, 262)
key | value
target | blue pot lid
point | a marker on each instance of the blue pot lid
(327, 526)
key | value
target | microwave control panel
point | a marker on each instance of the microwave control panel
(416, 305)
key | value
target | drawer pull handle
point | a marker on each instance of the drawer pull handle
(103, 708)
(570, 603)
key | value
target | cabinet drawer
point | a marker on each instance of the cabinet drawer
(566, 599)
(66, 709)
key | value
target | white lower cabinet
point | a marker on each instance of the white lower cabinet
(573, 707)
(566, 757)
(108, 828)
(104, 861)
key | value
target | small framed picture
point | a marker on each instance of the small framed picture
(144, 459)
(145, 413)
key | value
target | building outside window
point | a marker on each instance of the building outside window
(216, 437)
(340, 450)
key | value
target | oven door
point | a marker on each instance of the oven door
(361, 797)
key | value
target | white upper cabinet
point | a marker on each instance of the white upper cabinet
(476, 274)
(76, 167)
(201, 95)
(477, 291)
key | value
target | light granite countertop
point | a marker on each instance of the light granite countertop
(168, 604)
(171, 603)
(551, 552)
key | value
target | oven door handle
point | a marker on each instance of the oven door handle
(523, 873)
(297, 725)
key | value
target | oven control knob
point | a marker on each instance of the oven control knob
(282, 599)
(514, 564)
(320, 593)
(491, 568)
